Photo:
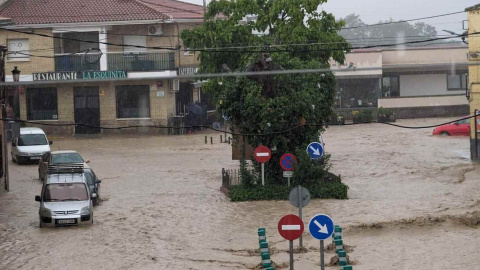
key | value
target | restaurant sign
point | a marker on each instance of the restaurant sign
(79, 75)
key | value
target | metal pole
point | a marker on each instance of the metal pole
(322, 259)
(263, 174)
(291, 255)
(300, 210)
(476, 136)
(288, 181)
(221, 139)
(211, 140)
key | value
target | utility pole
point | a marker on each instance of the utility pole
(4, 148)
(204, 7)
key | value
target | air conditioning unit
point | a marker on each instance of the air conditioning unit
(155, 30)
(175, 85)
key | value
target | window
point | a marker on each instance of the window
(65, 192)
(390, 86)
(135, 41)
(32, 139)
(133, 101)
(69, 42)
(457, 81)
(42, 103)
(67, 158)
(18, 49)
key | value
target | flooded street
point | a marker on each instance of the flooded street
(414, 204)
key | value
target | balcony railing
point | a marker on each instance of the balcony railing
(117, 61)
(141, 61)
(78, 62)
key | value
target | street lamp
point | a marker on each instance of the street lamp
(16, 74)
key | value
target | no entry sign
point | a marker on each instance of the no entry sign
(290, 227)
(262, 154)
(288, 162)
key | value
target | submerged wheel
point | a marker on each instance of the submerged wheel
(444, 133)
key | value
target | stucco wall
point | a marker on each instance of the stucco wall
(425, 85)
(430, 101)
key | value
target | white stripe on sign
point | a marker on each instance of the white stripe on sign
(291, 227)
(263, 154)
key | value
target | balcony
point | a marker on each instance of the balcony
(155, 61)
(76, 62)
(141, 61)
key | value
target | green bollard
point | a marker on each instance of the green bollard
(264, 247)
(270, 268)
(266, 262)
(338, 245)
(346, 267)
(342, 258)
(261, 235)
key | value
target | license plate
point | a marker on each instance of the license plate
(35, 158)
(66, 221)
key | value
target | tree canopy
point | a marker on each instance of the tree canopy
(265, 35)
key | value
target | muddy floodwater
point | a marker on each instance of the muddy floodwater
(414, 204)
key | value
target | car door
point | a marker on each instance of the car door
(463, 127)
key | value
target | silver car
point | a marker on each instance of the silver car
(66, 199)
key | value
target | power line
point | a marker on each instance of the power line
(403, 21)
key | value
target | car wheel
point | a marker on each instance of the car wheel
(19, 160)
(91, 220)
(444, 133)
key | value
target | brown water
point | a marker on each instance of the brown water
(413, 204)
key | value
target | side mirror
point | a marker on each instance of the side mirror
(98, 181)
(38, 199)
(87, 161)
(50, 142)
(94, 196)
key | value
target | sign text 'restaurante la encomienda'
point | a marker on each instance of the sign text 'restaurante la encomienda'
(79, 75)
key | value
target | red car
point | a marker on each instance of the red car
(459, 128)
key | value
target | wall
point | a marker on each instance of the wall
(424, 56)
(425, 84)
(41, 46)
(429, 101)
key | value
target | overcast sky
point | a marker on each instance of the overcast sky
(371, 11)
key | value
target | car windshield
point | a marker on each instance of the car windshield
(32, 139)
(89, 175)
(65, 192)
(66, 158)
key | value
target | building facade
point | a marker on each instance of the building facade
(104, 63)
(414, 82)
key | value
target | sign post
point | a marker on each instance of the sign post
(299, 197)
(315, 150)
(262, 155)
(321, 227)
(288, 163)
(290, 227)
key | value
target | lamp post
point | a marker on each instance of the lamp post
(16, 74)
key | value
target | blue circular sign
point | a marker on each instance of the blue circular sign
(288, 162)
(321, 227)
(315, 150)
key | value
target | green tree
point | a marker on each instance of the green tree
(293, 35)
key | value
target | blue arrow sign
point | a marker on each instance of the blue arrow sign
(321, 227)
(315, 150)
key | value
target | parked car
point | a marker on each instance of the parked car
(65, 199)
(459, 128)
(30, 145)
(56, 158)
(93, 184)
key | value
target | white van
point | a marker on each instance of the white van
(30, 146)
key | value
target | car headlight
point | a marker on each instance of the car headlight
(45, 212)
(85, 210)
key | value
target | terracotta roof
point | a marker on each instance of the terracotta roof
(77, 11)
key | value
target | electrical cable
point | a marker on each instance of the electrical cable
(229, 132)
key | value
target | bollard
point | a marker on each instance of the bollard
(337, 232)
(342, 258)
(264, 247)
(266, 262)
(338, 245)
(221, 139)
(261, 235)
(206, 139)
(346, 267)
(211, 140)
(270, 268)
(229, 140)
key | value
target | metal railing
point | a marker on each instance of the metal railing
(78, 62)
(141, 61)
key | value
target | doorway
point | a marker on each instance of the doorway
(87, 110)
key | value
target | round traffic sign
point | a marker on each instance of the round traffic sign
(315, 150)
(288, 162)
(299, 196)
(321, 227)
(262, 154)
(290, 227)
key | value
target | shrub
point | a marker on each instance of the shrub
(385, 115)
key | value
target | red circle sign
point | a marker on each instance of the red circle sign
(290, 227)
(288, 162)
(262, 154)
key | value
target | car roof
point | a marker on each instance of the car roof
(65, 178)
(31, 130)
(63, 152)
